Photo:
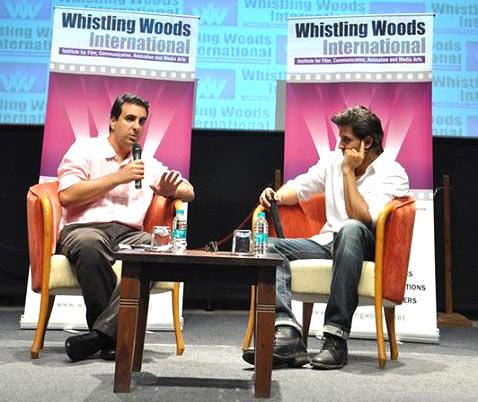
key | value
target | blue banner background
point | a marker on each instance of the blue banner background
(241, 55)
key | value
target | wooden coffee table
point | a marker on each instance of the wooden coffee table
(141, 267)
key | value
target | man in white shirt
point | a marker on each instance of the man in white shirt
(358, 180)
(102, 207)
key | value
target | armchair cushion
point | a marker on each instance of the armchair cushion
(64, 282)
(311, 281)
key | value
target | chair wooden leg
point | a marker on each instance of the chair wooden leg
(46, 306)
(307, 309)
(382, 358)
(390, 320)
(176, 320)
(246, 341)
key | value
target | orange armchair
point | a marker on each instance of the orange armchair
(382, 282)
(51, 273)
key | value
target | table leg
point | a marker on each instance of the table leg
(265, 316)
(127, 321)
(141, 326)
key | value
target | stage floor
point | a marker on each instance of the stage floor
(211, 368)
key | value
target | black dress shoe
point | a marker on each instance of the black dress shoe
(332, 355)
(79, 347)
(289, 349)
(108, 353)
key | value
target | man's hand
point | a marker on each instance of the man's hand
(353, 158)
(168, 184)
(132, 171)
(267, 196)
(86, 191)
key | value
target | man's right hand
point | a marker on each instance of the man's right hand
(267, 196)
(134, 170)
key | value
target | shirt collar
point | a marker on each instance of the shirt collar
(107, 151)
(375, 165)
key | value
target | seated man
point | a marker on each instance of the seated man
(102, 208)
(358, 182)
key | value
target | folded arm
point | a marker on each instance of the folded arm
(355, 204)
(85, 191)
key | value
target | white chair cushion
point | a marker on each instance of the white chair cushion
(63, 281)
(311, 280)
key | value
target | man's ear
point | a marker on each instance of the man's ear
(368, 142)
(112, 123)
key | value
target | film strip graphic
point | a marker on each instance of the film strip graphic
(122, 71)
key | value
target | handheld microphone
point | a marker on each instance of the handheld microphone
(136, 151)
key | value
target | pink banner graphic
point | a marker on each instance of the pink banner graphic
(79, 106)
(403, 108)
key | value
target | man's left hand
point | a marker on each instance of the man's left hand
(168, 184)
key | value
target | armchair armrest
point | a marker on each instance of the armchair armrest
(161, 212)
(301, 220)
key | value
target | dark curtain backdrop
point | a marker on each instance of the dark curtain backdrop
(229, 169)
(20, 159)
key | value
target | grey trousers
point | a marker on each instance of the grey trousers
(90, 249)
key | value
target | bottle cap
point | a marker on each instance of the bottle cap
(261, 215)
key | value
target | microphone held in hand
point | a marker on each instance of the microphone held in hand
(136, 151)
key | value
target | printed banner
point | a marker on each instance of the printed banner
(97, 55)
(358, 46)
(382, 62)
(100, 41)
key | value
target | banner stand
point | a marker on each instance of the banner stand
(96, 55)
(383, 62)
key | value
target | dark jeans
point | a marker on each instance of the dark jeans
(352, 245)
(90, 249)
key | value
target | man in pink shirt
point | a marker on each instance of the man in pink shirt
(102, 208)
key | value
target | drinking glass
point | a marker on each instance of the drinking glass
(161, 238)
(242, 242)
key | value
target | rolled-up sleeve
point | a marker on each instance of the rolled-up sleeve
(157, 170)
(74, 166)
(309, 183)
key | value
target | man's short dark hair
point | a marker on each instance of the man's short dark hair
(127, 98)
(363, 123)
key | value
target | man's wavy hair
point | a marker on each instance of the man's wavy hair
(363, 123)
(127, 98)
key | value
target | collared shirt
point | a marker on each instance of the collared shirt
(92, 158)
(383, 180)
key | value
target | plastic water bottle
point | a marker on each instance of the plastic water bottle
(261, 235)
(179, 232)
